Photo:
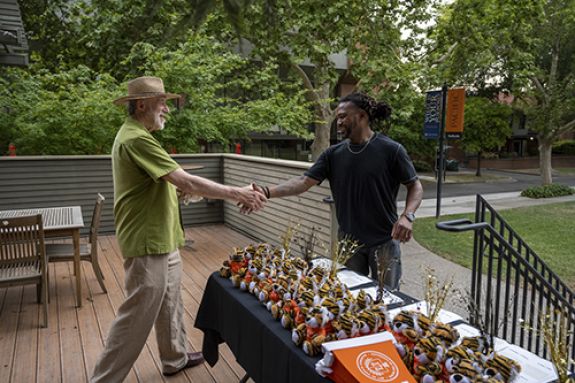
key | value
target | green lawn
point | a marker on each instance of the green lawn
(565, 171)
(548, 229)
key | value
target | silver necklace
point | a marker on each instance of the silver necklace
(363, 148)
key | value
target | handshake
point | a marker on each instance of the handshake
(254, 198)
(249, 198)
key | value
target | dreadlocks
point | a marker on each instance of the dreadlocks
(375, 110)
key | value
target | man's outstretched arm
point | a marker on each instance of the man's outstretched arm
(195, 185)
(293, 186)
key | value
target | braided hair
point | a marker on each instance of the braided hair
(376, 111)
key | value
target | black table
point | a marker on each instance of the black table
(260, 344)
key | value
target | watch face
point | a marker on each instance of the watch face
(410, 217)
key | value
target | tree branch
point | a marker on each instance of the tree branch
(567, 127)
(541, 89)
(306, 82)
(445, 56)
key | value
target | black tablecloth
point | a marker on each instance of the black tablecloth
(260, 344)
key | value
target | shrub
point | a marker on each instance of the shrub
(564, 147)
(547, 191)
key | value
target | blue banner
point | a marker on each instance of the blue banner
(432, 122)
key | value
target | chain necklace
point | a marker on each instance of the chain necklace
(363, 148)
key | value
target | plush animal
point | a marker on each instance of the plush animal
(238, 276)
(384, 320)
(454, 356)
(237, 260)
(317, 322)
(406, 355)
(290, 311)
(346, 326)
(422, 323)
(445, 332)
(501, 368)
(368, 322)
(225, 272)
(318, 330)
(403, 329)
(363, 299)
(466, 371)
(301, 266)
(478, 344)
(428, 356)
(298, 334)
(332, 307)
(429, 373)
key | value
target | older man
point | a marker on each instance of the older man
(149, 234)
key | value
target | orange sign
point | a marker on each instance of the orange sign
(454, 115)
(376, 362)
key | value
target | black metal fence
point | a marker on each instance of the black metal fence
(514, 294)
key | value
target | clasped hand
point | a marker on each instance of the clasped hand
(250, 199)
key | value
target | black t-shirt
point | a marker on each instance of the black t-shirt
(364, 185)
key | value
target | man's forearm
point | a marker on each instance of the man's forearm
(414, 196)
(195, 185)
(294, 186)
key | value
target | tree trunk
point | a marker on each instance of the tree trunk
(324, 118)
(320, 98)
(478, 170)
(545, 161)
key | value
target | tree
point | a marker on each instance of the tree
(69, 112)
(522, 47)
(486, 126)
(313, 30)
(229, 96)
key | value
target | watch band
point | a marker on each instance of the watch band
(410, 216)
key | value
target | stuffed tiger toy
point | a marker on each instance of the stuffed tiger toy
(445, 332)
(346, 326)
(368, 322)
(403, 329)
(502, 368)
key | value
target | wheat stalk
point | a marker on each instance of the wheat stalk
(436, 293)
(556, 336)
(342, 251)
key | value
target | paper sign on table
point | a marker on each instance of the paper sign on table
(351, 278)
(366, 360)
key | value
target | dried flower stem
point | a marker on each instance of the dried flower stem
(436, 293)
(342, 251)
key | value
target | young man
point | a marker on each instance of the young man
(149, 234)
(364, 173)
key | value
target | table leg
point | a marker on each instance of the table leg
(77, 269)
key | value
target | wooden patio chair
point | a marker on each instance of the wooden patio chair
(64, 252)
(23, 256)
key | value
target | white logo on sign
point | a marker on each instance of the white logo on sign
(377, 366)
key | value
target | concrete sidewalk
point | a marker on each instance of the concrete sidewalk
(415, 258)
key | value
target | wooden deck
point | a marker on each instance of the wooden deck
(67, 350)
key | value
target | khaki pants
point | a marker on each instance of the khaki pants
(152, 299)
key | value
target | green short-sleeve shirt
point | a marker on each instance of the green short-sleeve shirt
(145, 206)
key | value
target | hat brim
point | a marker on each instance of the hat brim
(123, 100)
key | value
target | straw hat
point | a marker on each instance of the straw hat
(145, 87)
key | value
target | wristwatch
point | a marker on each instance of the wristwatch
(410, 216)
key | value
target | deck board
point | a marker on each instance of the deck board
(67, 350)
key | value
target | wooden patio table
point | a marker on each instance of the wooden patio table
(65, 221)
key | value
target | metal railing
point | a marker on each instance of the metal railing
(514, 294)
